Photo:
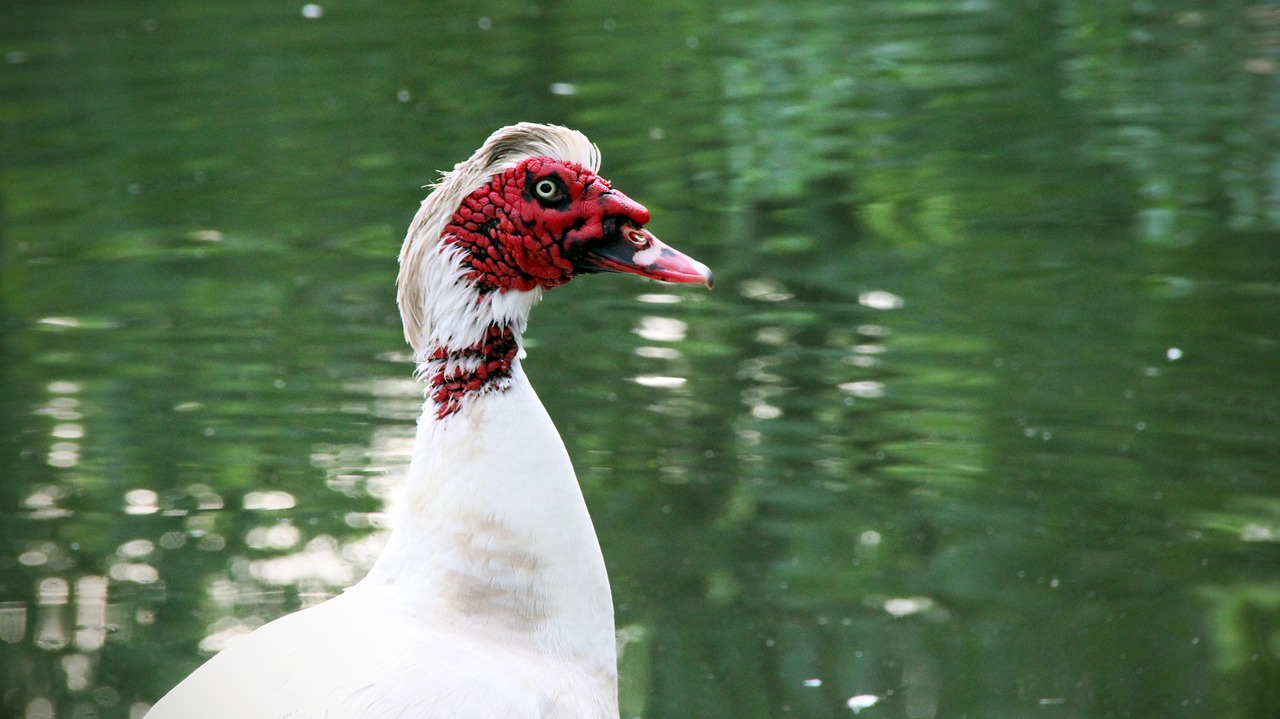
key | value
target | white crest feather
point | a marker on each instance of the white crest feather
(436, 305)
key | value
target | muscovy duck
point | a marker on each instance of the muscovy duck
(490, 598)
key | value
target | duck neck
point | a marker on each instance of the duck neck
(493, 538)
(454, 376)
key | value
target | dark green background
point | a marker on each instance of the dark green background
(983, 416)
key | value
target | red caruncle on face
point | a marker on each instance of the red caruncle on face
(524, 228)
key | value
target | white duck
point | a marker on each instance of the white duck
(491, 597)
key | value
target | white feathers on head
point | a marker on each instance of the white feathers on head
(437, 308)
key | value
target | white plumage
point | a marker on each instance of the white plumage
(491, 597)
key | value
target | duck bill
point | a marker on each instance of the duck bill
(636, 251)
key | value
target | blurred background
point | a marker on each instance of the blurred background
(981, 420)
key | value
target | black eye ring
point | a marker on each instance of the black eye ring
(549, 190)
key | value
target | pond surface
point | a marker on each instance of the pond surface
(982, 419)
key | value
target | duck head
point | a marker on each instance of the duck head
(526, 213)
(544, 221)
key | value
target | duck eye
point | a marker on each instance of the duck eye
(548, 189)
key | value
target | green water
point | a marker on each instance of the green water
(982, 417)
